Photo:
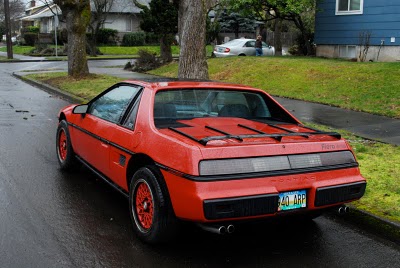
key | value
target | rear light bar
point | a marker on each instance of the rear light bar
(275, 163)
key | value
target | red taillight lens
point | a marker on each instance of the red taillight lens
(227, 50)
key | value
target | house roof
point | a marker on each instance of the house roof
(44, 12)
(124, 6)
(118, 6)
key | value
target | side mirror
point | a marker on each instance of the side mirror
(80, 109)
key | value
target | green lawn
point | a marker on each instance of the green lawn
(18, 49)
(372, 87)
(379, 162)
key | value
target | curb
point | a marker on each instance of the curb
(65, 95)
(385, 228)
(371, 223)
(55, 60)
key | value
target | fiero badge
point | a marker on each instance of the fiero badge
(331, 147)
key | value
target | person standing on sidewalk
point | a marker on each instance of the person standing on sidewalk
(258, 46)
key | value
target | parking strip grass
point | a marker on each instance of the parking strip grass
(108, 51)
(379, 162)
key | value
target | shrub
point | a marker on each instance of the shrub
(106, 36)
(32, 29)
(152, 39)
(133, 39)
(30, 38)
(147, 61)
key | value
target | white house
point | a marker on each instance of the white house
(123, 16)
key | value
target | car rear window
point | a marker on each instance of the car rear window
(233, 43)
(173, 105)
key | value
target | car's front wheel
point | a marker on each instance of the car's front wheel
(65, 153)
(150, 207)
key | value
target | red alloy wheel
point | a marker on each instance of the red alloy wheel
(144, 205)
(62, 145)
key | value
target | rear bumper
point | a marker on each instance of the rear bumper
(267, 204)
(258, 198)
(222, 55)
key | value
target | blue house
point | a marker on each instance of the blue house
(343, 29)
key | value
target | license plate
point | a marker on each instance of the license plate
(292, 200)
(221, 49)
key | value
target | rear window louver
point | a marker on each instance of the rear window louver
(259, 134)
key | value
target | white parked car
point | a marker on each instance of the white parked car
(241, 47)
(13, 39)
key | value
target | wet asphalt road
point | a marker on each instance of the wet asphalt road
(52, 219)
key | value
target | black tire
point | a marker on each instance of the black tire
(150, 208)
(65, 153)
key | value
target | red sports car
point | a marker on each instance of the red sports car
(206, 152)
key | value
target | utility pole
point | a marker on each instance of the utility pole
(8, 29)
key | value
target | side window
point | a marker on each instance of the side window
(112, 105)
(250, 44)
(131, 118)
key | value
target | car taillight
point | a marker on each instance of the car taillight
(227, 50)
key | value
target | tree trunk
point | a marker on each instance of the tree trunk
(77, 18)
(278, 37)
(192, 58)
(306, 35)
(92, 44)
(165, 48)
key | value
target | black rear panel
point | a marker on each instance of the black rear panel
(240, 207)
(340, 193)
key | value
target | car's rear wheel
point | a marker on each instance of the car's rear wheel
(65, 153)
(150, 207)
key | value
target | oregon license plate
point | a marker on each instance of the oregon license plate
(292, 200)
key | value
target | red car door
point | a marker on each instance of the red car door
(127, 138)
(97, 127)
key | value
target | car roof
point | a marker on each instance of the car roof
(165, 83)
(243, 40)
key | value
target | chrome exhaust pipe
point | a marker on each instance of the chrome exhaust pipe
(213, 229)
(340, 210)
(230, 229)
(343, 210)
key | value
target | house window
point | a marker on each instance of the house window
(128, 22)
(349, 7)
(348, 52)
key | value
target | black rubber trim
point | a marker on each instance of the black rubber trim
(103, 177)
(102, 140)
